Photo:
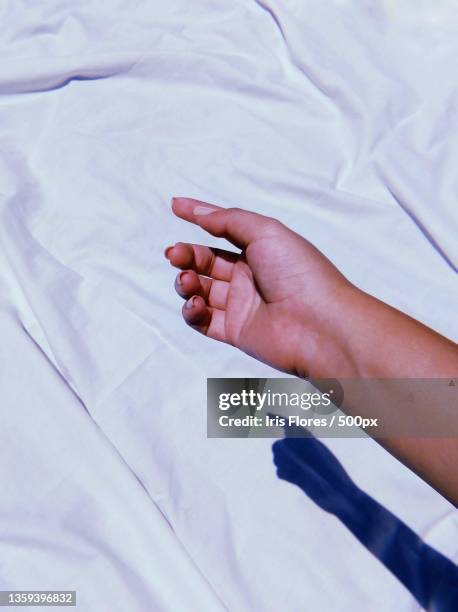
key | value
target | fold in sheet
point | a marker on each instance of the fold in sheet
(326, 117)
(73, 516)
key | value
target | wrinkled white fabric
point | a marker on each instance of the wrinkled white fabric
(336, 117)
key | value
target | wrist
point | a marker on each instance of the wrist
(358, 336)
(328, 341)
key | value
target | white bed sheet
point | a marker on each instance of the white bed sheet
(335, 117)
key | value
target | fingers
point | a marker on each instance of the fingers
(215, 263)
(236, 225)
(184, 208)
(214, 292)
(207, 321)
(205, 309)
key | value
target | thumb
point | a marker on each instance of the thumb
(235, 224)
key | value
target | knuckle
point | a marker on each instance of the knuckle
(274, 225)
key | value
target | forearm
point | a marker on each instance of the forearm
(384, 342)
(361, 337)
(368, 339)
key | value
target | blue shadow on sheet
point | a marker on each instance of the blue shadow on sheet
(431, 578)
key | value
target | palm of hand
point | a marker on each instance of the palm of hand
(260, 309)
(278, 289)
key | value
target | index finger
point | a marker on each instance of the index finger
(184, 208)
(236, 225)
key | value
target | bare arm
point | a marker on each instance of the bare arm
(282, 301)
(382, 342)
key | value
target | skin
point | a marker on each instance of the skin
(280, 300)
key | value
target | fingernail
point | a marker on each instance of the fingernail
(190, 303)
(167, 251)
(180, 278)
(203, 210)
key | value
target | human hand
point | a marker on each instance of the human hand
(280, 299)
